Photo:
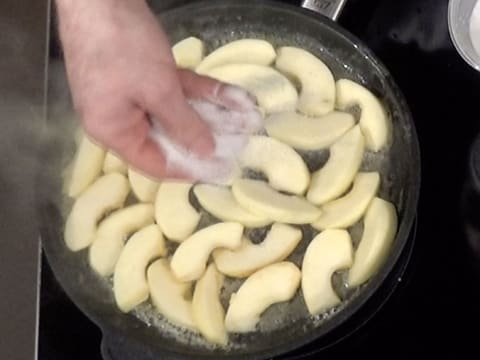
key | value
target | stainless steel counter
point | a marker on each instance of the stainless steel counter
(23, 44)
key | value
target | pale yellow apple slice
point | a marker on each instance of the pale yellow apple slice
(245, 51)
(317, 94)
(374, 122)
(188, 53)
(129, 280)
(379, 230)
(144, 188)
(190, 258)
(86, 167)
(347, 210)
(280, 241)
(113, 163)
(329, 251)
(170, 296)
(273, 91)
(270, 285)
(306, 133)
(173, 212)
(334, 178)
(219, 201)
(105, 194)
(208, 311)
(284, 168)
(112, 233)
(259, 198)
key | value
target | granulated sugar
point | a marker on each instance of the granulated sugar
(475, 27)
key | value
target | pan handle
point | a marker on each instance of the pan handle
(328, 8)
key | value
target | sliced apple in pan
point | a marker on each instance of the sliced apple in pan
(317, 94)
(347, 210)
(259, 198)
(170, 296)
(280, 241)
(374, 122)
(284, 168)
(219, 201)
(112, 233)
(173, 212)
(379, 230)
(143, 187)
(105, 194)
(113, 163)
(86, 167)
(208, 311)
(129, 280)
(272, 284)
(273, 91)
(329, 251)
(190, 258)
(188, 53)
(306, 133)
(334, 178)
(245, 51)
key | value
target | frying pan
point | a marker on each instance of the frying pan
(218, 22)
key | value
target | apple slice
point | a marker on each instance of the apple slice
(374, 122)
(86, 167)
(272, 284)
(379, 229)
(334, 178)
(329, 251)
(112, 232)
(317, 95)
(169, 296)
(129, 280)
(307, 133)
(259, 198)
(174, 213)
(347, 210)
(190, 258)
(219, 201)
(245, 51)
(188, 53)
(278, 244)
(143, 187)
(284, 168)
(273, 91)
(113, 163)
(105, 194)
(208, 312)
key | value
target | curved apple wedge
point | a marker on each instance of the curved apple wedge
(379, 229)
(306, 133)
(328, 252)
(143, 187)
(106, 193)
(112, 232)
(169, 296)
(219, 201)
(317, 94)
(347, 210)
(208, 311)
(273, 91)
(273, 284)
(280, 241)
(129, 280)
(259, 198)
(188, 53)
(190, 258)
(244, 51)
(374, 122)
(284, 168)
(334, 178)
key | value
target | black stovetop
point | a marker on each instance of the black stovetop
(435, 309)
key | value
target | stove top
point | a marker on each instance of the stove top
(434, 308)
